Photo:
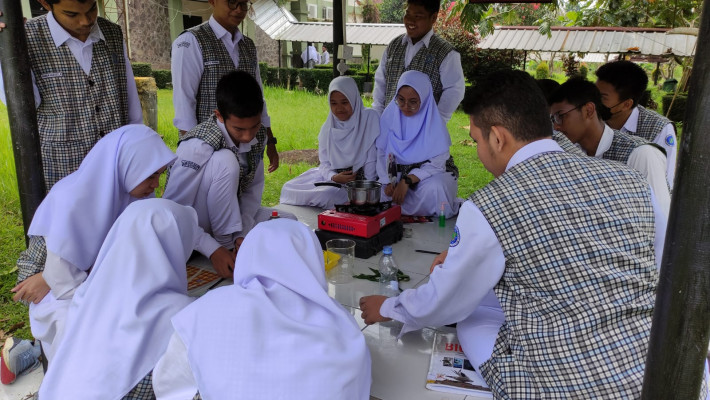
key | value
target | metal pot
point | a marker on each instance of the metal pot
(359, 192)
(364, 192)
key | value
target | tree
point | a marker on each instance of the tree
(392, 11)
(475, 62)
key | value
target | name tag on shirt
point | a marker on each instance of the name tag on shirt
(211, 63)
(51, 75)
(190, 164)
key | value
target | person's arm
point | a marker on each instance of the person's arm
(31, 286)
(370, 166)
(378, 93)
(473, 266)
(454, 85)
(186, 69)
(135, 111)
(172, 375)
(324, 167)
(660, 218)
(668, 140)
(436, 164)
(651, 163)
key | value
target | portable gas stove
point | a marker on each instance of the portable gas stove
(364, 221)
(371, 226)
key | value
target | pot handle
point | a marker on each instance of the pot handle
(334, 184)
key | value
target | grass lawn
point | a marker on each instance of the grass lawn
(296, 120)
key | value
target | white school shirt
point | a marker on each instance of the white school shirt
(325, 57)
(435, 165)
(224, 216)
(326, 168)
(647, 160)
(471, 271)
(666, 135)
(83, 52)
(187, 66)
(450, 71)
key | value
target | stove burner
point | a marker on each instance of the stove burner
(364, 209)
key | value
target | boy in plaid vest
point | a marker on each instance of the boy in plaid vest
(421, 50)
(576, 110)
(205, 53)
(552, 298)
(622, 83)
(83, 83)
(220, 170)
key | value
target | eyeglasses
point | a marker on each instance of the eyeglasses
(556, 118)
(411, 105)
(243, 5)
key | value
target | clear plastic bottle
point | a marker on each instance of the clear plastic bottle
(388, 273)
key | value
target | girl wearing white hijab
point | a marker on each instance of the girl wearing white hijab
(76, 215)
(118, 323)
(413, 134)
(346, 150)
(279, 335)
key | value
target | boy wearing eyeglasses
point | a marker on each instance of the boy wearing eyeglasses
(422, 50)
(205, 53)
(622, 83)
(576, 110)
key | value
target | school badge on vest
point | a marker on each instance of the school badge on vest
(456, 238)
(670, 140)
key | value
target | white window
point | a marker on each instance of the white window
(312, 11)
(329, 13)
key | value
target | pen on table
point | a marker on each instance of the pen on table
(426, 251)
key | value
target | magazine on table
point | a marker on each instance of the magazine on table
(450, 371)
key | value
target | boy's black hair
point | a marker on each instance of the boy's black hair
(578, 91)
(629, 80)
(433, 6)
(548, 86)
(239, 94)
(53, 2)
(510, 99)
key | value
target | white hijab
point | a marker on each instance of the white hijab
(347, 142)
(279, 335)
(78, 212)
(119, 320)
(419, 137)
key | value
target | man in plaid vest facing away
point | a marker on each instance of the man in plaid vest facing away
(421, 50)
(83, 83)
(205, 53)
(622, 83)
(576, 109)
(551, 276)
(220, 169)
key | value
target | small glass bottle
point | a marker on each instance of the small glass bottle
(274, 215)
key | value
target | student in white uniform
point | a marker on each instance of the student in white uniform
(324, 56)
(220, 167)
(346, 150)
(622, 83)
(528, 277)
(577, 111)
(71, 223)
(413, 134)
(279, 335)
(118, 323)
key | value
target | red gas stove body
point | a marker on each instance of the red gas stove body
(365, 226)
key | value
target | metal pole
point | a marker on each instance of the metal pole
(681, 320)
(21, 109)
(338, 29)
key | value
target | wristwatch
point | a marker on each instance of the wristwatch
(407, 180)
(272, 140)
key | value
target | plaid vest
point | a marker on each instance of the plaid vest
(623, 144)
(650, 124)
(427, 60)
(209, 132)
(580, 278)
(567, 145)
(217, 63)
(76, 109)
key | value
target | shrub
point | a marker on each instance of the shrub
(542, 71)
(678, 110)
(583, 71)
(262, 71)
(142, 70)
(570, 65)
(163, 78)
(315, 78)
